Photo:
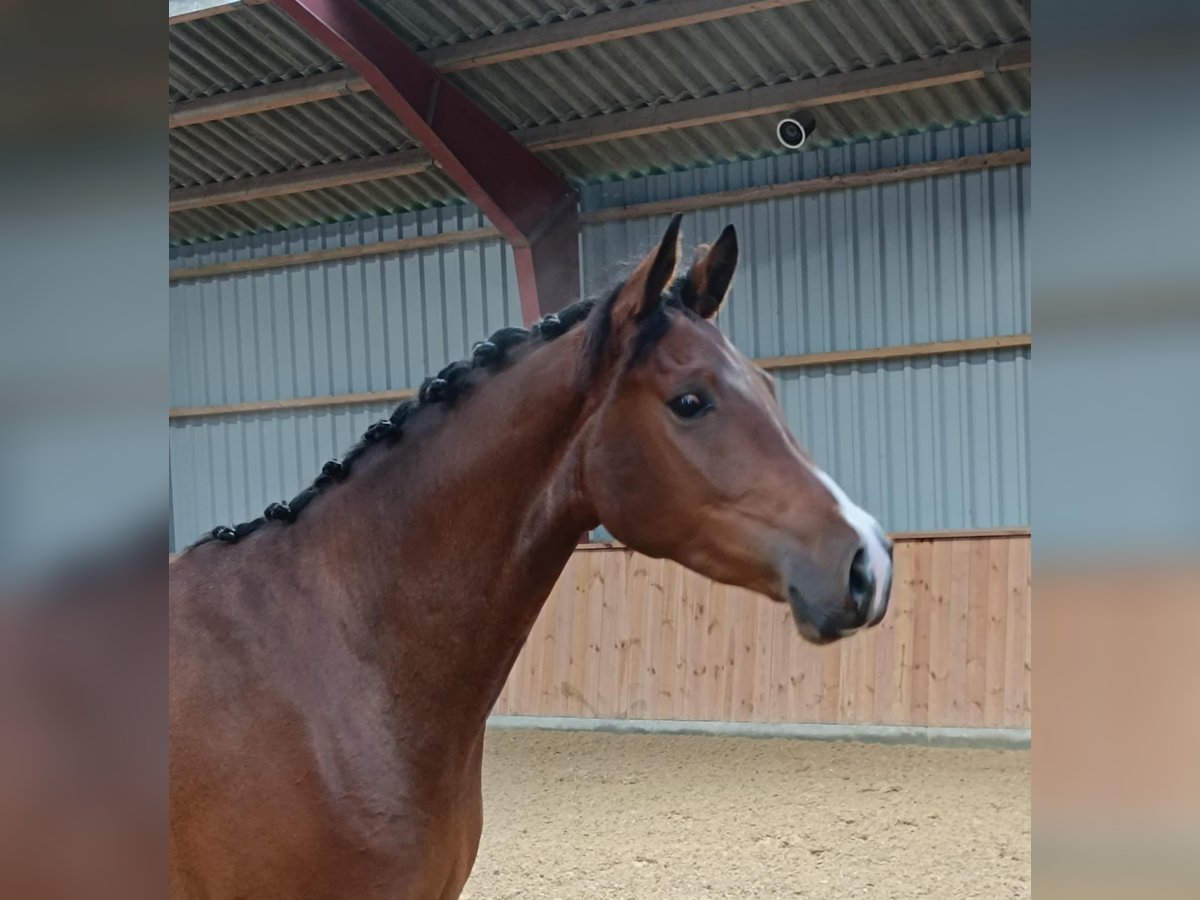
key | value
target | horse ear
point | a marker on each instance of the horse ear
(643, 289)
(707, 281)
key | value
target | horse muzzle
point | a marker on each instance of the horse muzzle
(825, 613)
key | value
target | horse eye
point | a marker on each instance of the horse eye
(689, 406)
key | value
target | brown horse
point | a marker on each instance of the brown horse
(332, 672)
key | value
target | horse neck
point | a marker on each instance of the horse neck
(448, 544)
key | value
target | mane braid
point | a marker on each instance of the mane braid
(444, 388)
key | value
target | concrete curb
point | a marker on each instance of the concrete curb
(980, 738)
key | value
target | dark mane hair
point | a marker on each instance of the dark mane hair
(448, 385)
(652, 325)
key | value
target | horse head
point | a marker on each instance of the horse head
(688, 456)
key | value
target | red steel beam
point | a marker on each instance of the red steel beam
(535, 210)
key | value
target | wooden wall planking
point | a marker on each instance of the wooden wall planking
(625, 636)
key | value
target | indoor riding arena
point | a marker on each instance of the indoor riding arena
(361, 190)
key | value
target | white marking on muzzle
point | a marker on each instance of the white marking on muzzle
(872, 538)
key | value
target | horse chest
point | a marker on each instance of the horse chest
(412, 813)
(421, 848)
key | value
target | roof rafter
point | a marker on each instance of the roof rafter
(531, 205)
(279, 95)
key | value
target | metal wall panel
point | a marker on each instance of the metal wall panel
(340, 327)
(931, 260)
(227, 469)
(926, 444)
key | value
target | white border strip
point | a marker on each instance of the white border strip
(985, 738)
(187, 10)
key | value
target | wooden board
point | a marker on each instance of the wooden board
(997, 632)
(975, 682)
(624, 636)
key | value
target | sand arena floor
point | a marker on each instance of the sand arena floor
(573, 815)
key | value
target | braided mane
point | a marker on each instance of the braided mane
(450, 383)
(443, 388)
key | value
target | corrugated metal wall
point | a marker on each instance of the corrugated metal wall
(340, 327)
(930, 260)
(926, 444)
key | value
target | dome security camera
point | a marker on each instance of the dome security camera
(794, 130)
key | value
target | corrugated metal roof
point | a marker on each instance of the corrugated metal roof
(742, 139)
(373, 198)
(987, 99)
(251, 46)
(356, 126)
(772, 46)
(259, 45)
(431, 25)
(948, 25)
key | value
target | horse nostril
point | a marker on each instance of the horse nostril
(862, 581)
